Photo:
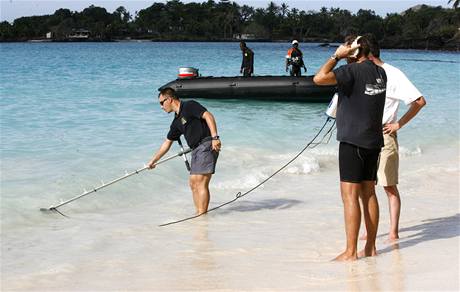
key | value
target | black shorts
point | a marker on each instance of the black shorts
(296, 71)
(247, 71)
(357, 164)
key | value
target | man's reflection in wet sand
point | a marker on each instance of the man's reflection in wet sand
(364, 275)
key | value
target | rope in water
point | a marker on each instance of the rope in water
(240, 195)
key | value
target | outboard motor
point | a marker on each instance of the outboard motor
(187, 72)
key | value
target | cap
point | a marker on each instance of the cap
(295, 42)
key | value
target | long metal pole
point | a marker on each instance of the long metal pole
(85, 193)
(187, 165)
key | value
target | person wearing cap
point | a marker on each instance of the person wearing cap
(247, 65)
(361, 89)
(294, 58)
(199, 128)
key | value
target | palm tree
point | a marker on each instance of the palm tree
(455, 5)
(284, 9)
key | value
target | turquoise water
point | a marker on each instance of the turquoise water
(72, 114)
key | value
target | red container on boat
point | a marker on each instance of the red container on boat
(187, 72)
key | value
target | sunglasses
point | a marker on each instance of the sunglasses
(163, 101)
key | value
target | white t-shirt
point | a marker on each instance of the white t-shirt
(399, 88)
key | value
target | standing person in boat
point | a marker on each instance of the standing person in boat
(399, 88)
(361, 88)
(199, 128)
(294, 58)
(247, 65)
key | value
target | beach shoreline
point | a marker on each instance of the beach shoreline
(325, 43)
(268, 241)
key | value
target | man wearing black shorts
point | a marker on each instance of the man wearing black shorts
(200, 131)
(361, 88)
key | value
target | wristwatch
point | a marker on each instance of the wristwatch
(215, 137)
(335, 57)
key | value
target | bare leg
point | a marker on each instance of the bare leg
(394, 202)
(371, 216)
(199, 184)
(352, 215)
(363, 236)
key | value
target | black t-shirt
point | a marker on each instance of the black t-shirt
(362, 90)
(189, 122)
(248, 58)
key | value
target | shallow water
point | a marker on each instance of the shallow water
(75, 114)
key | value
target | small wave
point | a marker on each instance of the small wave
(405, 152)
(305, 167)
(254, 171)
(246, 181)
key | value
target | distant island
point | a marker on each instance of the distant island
(420, 27)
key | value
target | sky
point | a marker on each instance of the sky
(12, 9)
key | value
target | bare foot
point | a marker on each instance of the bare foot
(392, 238)
(346, 257)
(363, 236)
(368, 252)
(395, 245)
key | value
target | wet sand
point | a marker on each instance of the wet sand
(277, 239)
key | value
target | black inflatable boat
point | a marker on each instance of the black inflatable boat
(280, 88)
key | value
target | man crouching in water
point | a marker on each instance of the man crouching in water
(200, 131)
(361, 88)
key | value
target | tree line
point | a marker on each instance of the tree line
(423, 26)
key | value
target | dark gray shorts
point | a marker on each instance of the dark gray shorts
(204, 159)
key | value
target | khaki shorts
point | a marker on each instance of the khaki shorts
(387, 173)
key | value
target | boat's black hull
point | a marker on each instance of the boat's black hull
(280, 88)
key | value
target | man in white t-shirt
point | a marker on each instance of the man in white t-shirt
(399, 88)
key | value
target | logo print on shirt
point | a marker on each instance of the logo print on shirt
(183, 120)
(374, 89)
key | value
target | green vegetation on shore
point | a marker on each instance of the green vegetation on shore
(421, 27)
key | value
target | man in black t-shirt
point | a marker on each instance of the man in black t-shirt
(247, 65)
(361, 88)
(200, 131)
